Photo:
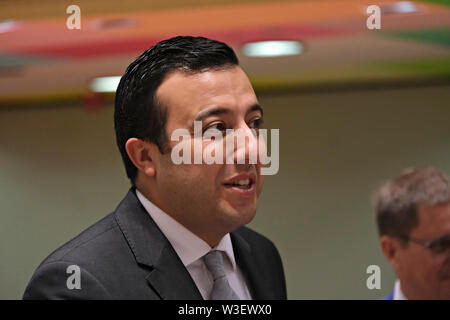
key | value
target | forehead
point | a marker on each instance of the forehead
(433, 220)
(185, 95)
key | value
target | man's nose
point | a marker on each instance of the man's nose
(246, 146)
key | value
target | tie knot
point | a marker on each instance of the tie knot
(214, 262)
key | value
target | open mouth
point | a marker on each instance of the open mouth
(244, 184)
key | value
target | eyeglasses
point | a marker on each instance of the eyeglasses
(438, 246)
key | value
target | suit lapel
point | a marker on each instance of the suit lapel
(251, 269)
(171, 279)
(168, 276)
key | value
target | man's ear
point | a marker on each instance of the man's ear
(142, 154)
(391, 249)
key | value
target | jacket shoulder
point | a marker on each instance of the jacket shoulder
(81, 256)
(390, 296)
(97, 234)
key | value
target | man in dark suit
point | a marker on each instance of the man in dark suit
(413, 217)
(179, 232)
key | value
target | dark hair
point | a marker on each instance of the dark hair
(138, 113)
(396, 202)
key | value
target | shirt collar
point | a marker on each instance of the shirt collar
(398, 293)
(186, 244)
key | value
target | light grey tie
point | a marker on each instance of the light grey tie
(221, 288)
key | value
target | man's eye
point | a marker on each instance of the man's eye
(217, 126)
(256, 124)
(441, 245)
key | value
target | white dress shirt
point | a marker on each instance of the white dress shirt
(398, 293)
(190, 248)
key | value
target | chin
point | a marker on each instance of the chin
(237, 217)
(248, 216)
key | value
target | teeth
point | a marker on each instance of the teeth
(242, 182)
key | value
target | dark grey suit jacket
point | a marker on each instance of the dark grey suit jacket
(126, 256)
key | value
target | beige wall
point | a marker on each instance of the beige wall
(60, 171)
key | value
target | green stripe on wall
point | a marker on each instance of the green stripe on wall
(437, 67)
(443, 2)
(435, 36)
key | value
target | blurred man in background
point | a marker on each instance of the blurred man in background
(413, 217)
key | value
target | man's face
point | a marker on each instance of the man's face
(200, 196)
(425, 274)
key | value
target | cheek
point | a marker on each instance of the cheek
(423, 265)
(172, 178)
(409, 262)
(192, 180)
(440, 266)
(260, 185)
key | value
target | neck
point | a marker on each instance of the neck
(211, 236)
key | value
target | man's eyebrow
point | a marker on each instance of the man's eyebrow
(210, 112)
(445, 237)
(218, 111)
(255, 107)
